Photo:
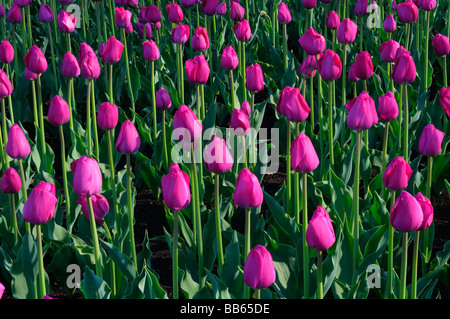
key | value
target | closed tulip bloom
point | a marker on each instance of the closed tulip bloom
(397, 174)
(237, 12)
(427, 210)
(428, 5)
(361, 8)
(69, 66)
(89, 66)
(401, 49)
(293, 105)
(363, 65)
(17, 146)
(320, 232)
(188, 3)
(221, 9)
(2, 290)
(30, 75)
(312, 42)
(404, 70)
(239, 122)
(309, 4)
(187, 124)
(5, 85)
(150, 50)
(304, 158)
(346, 32)
(46, 13)
(175, 188)
(84, 49)
(107, 116)
(387, 107)
(259, 271)
(2, 11)
(209, 7)
(128, 141)
(142, 16)
(180, 34)
(22, 3)
(430, 142)
(200, 39)
(14, 14)
(217, 157)
(242, 30)
(229, 59)
(197, 70)
(388, 50)
(389, 24)
(174, 12)
(58, 111)
(245, 106)
(66, 22)
(248, 192)
(407, 11)
(112, 51)
(284, 15)
(41, 204)
(444, 99)
(163, 100)
(333, 20)
(6, 52)
(255, 78)
(35, 60)
(351, 74)
(87, 177)
(11, 182)
(311, 62)
(100, 207)
(153, 13)
(304, 70)
(441, 45)
(330, 66)
(140, 30)
(122, 17)
(406, 214)
(362, 113)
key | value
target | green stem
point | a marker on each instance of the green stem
(285, 47)
(130, 211)
(319, 106)
(16, 62)
(385, 145)
(83, 24)
(361, 33)
(42, 287)
(155, 128)
(10, 105)
(330, 121)
(98, 256)
(180, 53)
(113, 174)
(41, 117)
(218, 223)
(111, 93)
(94, 122)
(390, 266)
(13, 219)
(244, 73)
(247, 244)
(406, 124)
(400, 116)
(88, 118)
(356, 201)
(305, 245)
(24, 188)
(69, 102)
(297, 185)
(64, 172)
(427, 41)
(319, 276)
(444, 67)
(233, 101)
(130, 87)
(4, 127)
(414, 265)
(165, 149)
(175, 255)
(111, 14)
(426, 233)
(311, 102)
(403, 293)
(288, 166)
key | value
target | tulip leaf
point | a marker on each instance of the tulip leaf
(121, 260)
(93, 287)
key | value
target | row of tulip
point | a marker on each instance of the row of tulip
(185, 193)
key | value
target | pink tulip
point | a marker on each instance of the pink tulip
(180, 34)
(41, 204)
(430, 142)
(84, 49)
(11, 182)
(58, 111)
(87, 177)
(333, 20)
(388, 50)
(362, 113)
(174, 12)
(6, 52)
(242, 30)
(66, 22)
(351, 74)
(397, 174)
(5, 85)
(128, 141)
(140, 29)
(387, 107)
(150, 50)
(245, 106)
(22, 3)
(346, 32)
(255, 78)
(248, 192)
(188, 3)
(441, 45)
(200, 39)
(363, 65)
(304, 158)
(163, 100)
(312, 42)
(17, 146)
(100, 207)
(89, 66)
(361, 8)
(112, 51)
(330, 66)
(284, 15)
(2, 290)
(14, 15)
(293, 105)
(46, 13)
(309, 4)
(240, 122)
(107, 116)
(69, 66)
(122, 17)
(428, 5)
(221, 9)
(404, 70)
(30, 75)
(427, 210)
(175, 188)
(237, 12)
(35, 60)
(209, 7)
(153, 13)
(444, 99)
(197, 70)
(320, 232)
(389, 24)
(229, 59)
(407, 11)
(217, 157)
(259, 270)
(187, 123)
(406, 214)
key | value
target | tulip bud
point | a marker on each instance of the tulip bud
(30, 75)
(87, 177)
(58, 111)
(309, 4)
(188, 3)
(5, 85)
(351, 74)
(430, 142)
(83, 50)
(427, 210)
(240, 122)
(17, 146)
(107, 116)
(163, 100)
(388, 50)
(245, 107)
(248, 192)
(89, 66)
(128, 141)
(66, 22)
(312, 42)
(333, 20)
(174, 12)
(11, 182)
(304, 158)
(6, 52)
(209, 7)
(22, 3)
(2, 290)
(190, 126)
(284, 15)
(361, 8)
(200, 39)
(229, 59)
(2, 11)
(112, 52)
(428, 5)
(14, 14)
(197, 70)
(397, 174)
(237, 12)
(150, 50)
(140, 30)
(362, 113)
(444, 99)
(389, 24)
(387, 107)
(180, 34)
(404, 70)
(122, 17)
(35, 60)
(153, 13)
(242, 30)
(100, 207)
(330, 66)
(320, 232)
(218, 158)
(221, 9)
(293, 105)
(259, 271)
(441, 45)
(407, 11)
(41, 204)
(346, 32)
(406, 214)
(175, 188)
(255, 78)
(363, 65)
(69, 66)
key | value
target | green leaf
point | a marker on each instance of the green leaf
(94, 287)
(121, 260)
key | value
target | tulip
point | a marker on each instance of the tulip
(254, 78)
(10, 182)
(304, 158)
(444, 99)
(100, 206)
(245, 106)
(239, 122)
(69, 66)
(188, 3)
(14, 14)
(144, 30)
(174, 12)
(153, 13)
(6, 52)
(309, 4)
(397, 174)
(209, 7)
(221, 9)
(332, 20)
(312, 42)
(259, 270)
(87, 177)
(330, 66)
(190, 127)
(122, 17)
(35, 60)
(112, 51)
(363, 65)
(2, 11)
(248, 192)
(388, 50)
(128, 141)
(428, 5)
(66, 22)
(242, 30)
(352, 76)
(304, 70)
(229, 59)
(218, 158)
(58, 112)
(430, 142)
(407, 11)
(2, 290)
(441, 45)
(180, 35)
(346, 32)
(237, 12)
(387, 107)
(200, 39)
(284, 15)
(362, 113)
(150, 50)
(197, 70)
(5, 85)
(163, 101)
(30, 75)
(389, 24)
(320, 233)
(17, 146)
(361, 8)
(292, 105)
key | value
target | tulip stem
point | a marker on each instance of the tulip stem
(165, 150)
(180, 66)
(5, 127)
(285, 46)
(218, 223)
(426, 236)
(233, 101)
(35, 111)
(444, 67)
(319, 276)
(244, 73)
(356, 201)
(390, 251)
(155, 128)
(14, 43)
(64, 172)
(13, 218)
(130, 211)
(311, 101)
(113, 172)
(403, 293)
(175, 255)
(10, 105)
(69, 102)
(406, 124)
(344, 79)
(88, 118)
(94, 122)
(319, 104)
(111, 94)
(385, 145)
(98, 256)
(247, 244)
(41, 117)
(288, 167)
(330, 121)
(297, 185)
(400, 112)
(427, 41)
(111, 14)
(361, 33)
(414, 265)
(43, 290)
(305, 245)
(130, 87)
